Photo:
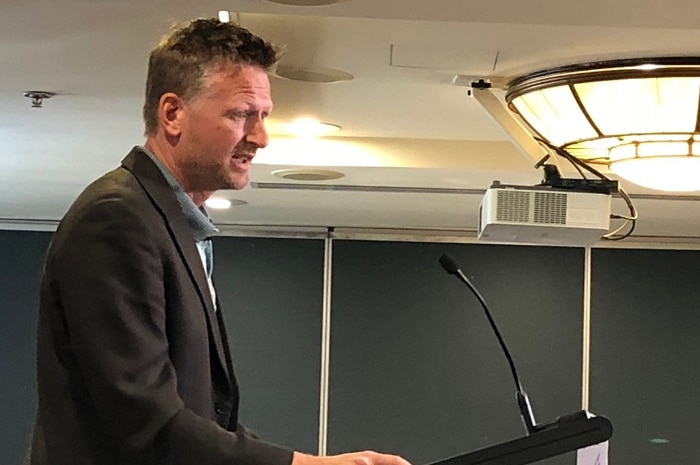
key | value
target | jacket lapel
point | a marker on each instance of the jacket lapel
(163, 198)
(229, 367)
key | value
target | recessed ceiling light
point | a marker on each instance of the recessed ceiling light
(309, 174)
(220, 203)
(312, 74)
(308, 127)
(306, 2)
(224, 16)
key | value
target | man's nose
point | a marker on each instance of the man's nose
(258, 134)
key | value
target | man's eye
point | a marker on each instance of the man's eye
(237, 115)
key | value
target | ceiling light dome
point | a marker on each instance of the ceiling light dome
(309, 127)
(641, 117)
(218, 203)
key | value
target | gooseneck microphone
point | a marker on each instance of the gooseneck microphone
(566, 433)
(451, 266)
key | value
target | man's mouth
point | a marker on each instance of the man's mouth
(243, 160)
(244, 156)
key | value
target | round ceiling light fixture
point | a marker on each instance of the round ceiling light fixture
(640, 117)
(315, 74)
(308, 174)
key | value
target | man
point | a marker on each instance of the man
(132, 357)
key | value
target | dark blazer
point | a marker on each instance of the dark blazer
(133, 365)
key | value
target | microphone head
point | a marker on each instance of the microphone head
(449, 264)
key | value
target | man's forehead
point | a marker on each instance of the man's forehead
(229, 70)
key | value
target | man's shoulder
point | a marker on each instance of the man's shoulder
(128, 182)
(116, 196)
(118, 185)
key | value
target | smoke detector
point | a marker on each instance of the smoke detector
(38, 97)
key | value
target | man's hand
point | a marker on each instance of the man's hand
(353, 458)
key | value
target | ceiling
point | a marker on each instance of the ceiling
(416, 151)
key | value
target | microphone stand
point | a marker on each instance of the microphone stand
(565, 434)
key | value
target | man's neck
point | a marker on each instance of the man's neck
(166, 158)
(199, 197)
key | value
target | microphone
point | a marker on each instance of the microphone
(451, 266)
(566, 433)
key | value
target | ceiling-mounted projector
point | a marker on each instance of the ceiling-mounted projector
(543, 215)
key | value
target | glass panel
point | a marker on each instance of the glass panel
(650, 149)
(655, 137)
(675, 174)
(555, 114)
(622, 152)
(663, 149)
(596, 150)
(597, 144)
(625, 147)
(642, 105)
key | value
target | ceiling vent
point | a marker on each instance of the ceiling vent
(308, 174)
(360, 188)
(312, 74)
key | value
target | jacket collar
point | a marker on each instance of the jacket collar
(198, 221)
(162, 195)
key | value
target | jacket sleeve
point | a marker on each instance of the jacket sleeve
(109, 278)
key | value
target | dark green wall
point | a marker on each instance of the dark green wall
(21, 259)
(415, 369)
(415, 366)
(645, 353)
(272, 294)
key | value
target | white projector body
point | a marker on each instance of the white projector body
(539, 215)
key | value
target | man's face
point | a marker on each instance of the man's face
(222, 128)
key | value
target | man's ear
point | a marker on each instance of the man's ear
(171, 113)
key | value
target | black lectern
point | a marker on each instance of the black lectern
(568, 433)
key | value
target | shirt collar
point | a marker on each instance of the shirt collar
(198, 221)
